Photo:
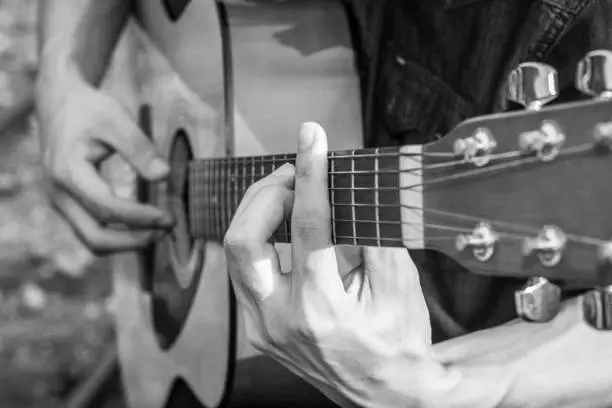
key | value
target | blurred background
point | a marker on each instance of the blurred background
(55, 312)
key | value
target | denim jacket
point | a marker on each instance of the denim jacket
(439, 62)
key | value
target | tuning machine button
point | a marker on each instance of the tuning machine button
(482, 241)
(594, 78)
(548, 245)
(538, 301)
(594, 74)
(476, 148)
(546, 141)
(597, 308)
(533, 85)
(602, 134)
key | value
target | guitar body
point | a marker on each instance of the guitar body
(214, 79)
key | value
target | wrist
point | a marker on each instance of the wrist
(60, 68)
(429, 384)
(414, 381)
(58, 72)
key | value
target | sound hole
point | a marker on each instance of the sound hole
(177, 195)
(172, 300)
(146, 193)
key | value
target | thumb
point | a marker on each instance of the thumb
(393, 277)
(131, 143)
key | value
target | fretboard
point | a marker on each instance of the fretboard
(363, 185)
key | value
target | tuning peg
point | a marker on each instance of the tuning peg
(594, 74)
(538, 301)
(533, 85)
(597, 308)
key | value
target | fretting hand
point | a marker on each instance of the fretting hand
(351, 333)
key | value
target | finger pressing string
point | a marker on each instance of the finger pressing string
(314, 259)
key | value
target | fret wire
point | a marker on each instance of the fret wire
(235, 186)
(376, 197)
(243, 178)
(229, 208)
(263, 169)
(213, 222)
(355, 238)
(366, 188)
(222, 201)
(207, 193)
(272, 170)
(353, 172)
(370, 221)
(374, 205)
(333, 196)
(286, 222)
(341, 188)
(353, 196)
(366, 172)
(273, 167)
(252, 171)
(340, 156)
(213, 202)
(219, 199)
(215, 197)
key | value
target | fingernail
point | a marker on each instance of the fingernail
(307, 136)
(159, 168)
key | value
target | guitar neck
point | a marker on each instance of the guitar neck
(365, 189)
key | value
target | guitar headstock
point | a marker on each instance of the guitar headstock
(529, 193)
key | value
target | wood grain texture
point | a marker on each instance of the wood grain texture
(519, 194)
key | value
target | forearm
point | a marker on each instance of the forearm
(80, 35)
(559, 364)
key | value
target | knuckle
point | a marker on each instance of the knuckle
(276, 339)
(303, 329)
(231, 240)
(104, 214)
(313, 318)
(304, 172)
(307, 220)
(236, 241)
(254, 336)
(91, 239)
(257, 341)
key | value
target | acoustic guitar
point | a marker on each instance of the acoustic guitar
(222, 87)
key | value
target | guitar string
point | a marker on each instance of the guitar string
(501, 166)
(261, 160)
(449, 214)
(335, 155)
(576, 149)
(473, 172)
(570, 237)
(478, 171)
